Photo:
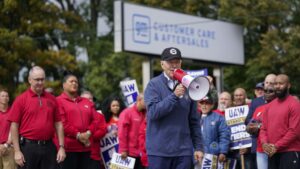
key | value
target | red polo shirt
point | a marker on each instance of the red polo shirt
(4, 126)
(35, 115)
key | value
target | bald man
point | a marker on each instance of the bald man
(281, 127)
(128, 126)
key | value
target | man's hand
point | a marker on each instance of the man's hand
(273, 150)
(3, 149)
(253, 128)
(198, 156)
(179, 90)
(19, 158)
(243, 151)
(124, 155)
(61, 155)
(267, 148)
(222, 158)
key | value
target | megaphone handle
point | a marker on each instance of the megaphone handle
(175, 87)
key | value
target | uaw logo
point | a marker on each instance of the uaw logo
(141, 29)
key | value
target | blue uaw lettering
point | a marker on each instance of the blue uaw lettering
(128, 88)
(207, 163)
(237, 112)
(108, 141)
(141, 28)
(125, 162)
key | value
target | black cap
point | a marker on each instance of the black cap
(208, 98)
(171, 53)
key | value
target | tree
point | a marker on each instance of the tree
(27, 39)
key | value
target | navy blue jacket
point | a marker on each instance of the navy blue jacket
(173, 124)
(215, 134)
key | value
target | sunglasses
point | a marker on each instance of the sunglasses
(269, 91)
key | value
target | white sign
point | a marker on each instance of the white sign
(149, 30)
(235, 119)
(118, 163)
(130, 91)
(211, 161)
(109, 144)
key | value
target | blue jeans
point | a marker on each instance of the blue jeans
(262, 160)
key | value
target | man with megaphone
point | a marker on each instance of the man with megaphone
(173, 138)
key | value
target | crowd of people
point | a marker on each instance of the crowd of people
(164, 129)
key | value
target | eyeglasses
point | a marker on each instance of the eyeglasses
(269, 91)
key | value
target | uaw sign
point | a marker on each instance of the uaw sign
(118, 163)
(235, 119)
(130, 91)
(211, 161)
(109, 145)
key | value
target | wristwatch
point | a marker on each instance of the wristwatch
(61, 146)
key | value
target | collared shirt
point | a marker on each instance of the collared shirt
(35, 114)
(171, 83)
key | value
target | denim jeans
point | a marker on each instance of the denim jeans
(262, 160)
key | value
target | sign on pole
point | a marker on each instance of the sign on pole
(130, 91)
(147, 30)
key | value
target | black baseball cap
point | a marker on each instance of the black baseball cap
(171, 53)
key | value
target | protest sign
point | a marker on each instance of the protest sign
(210, 161)
(109, 145)
(130, 91)
(235, 119)
(118, 163)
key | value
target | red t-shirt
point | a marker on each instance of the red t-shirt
(35, 115)
(4, 126)
(281, 124)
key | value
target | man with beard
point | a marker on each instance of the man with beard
(281, 127)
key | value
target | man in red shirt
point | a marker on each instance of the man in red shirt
(128, 129)
(34, 118)
(281, 127)
(6, 151)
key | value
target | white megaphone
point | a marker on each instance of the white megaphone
(197, 88)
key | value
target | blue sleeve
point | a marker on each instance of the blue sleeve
(250, 113)
(195, 127)
(158, 108)
(224, 136)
